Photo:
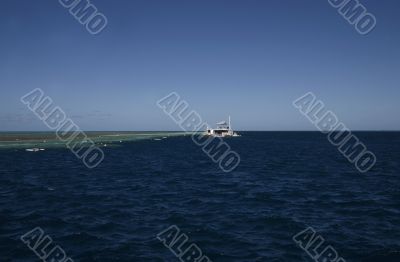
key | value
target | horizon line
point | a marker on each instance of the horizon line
(51, 131)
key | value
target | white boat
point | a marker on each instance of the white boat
(34, 149)
(223, 130)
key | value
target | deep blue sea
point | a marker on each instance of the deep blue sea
(286, 182)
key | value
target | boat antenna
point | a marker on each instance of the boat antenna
(230, 128)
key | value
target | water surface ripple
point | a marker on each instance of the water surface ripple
(286, 181)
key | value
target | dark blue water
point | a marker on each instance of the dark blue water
(286, 181)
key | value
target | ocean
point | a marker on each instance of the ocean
(285, 183)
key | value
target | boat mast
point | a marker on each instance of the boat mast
(230, 128)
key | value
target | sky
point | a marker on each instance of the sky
(249, 59)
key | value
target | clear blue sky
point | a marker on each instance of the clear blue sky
(248, 58)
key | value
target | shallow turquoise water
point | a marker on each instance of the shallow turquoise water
(50, 140)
